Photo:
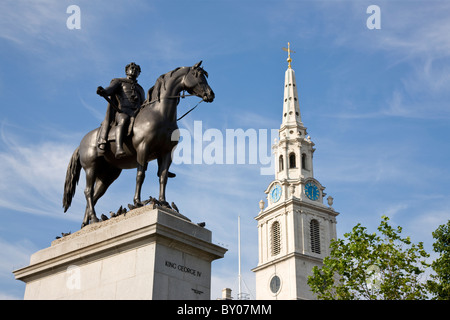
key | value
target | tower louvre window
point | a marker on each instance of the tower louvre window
(315, 236)
(292, 160)
(276, 238)
(304, 161)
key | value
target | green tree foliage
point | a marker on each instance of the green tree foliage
(440, 283)
(371, 266)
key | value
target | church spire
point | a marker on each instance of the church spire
(291, 109)
(294, 150)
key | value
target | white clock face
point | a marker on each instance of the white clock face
(275, 284)
(275, 193)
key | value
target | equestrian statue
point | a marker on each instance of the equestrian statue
(135, 131)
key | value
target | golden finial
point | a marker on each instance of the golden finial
(288, 49)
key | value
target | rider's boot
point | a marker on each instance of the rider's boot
(120, 153)
(102, 137)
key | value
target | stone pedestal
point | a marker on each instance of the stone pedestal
(145, 254)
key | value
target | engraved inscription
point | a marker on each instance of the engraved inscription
(182, 268)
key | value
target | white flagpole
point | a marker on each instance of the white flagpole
(239, 258)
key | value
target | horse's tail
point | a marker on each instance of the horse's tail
(72, 176)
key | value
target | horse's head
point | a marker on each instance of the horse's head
(195, 83)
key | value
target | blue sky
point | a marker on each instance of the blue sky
(375, 103)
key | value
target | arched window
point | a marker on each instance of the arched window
(315, 236)
(276, 238)
(280, 163)
(303, 160)
(292, 160)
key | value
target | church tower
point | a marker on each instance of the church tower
(295, 228)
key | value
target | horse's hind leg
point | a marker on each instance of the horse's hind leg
(104, 180)
(96, 187)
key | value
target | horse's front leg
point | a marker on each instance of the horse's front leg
(89, 214)
(164, 163)
(140, 176)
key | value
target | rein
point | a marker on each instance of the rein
(190, 110)
(175, 97)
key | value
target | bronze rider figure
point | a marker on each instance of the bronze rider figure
(126, 98)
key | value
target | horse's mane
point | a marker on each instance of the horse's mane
(154, 93)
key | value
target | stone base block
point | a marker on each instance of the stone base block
(145, 254)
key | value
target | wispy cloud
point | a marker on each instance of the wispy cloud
(412, 46)
(430, 216)
(25, 22)
(93, 110)
(418, 37)
(13, 255)
(32, 174)
(39, 30)
(358, 162)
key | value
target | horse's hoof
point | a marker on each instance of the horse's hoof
(137, 204)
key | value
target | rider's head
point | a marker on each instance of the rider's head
(132, 70)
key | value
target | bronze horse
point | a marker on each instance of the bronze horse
(151, 139)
